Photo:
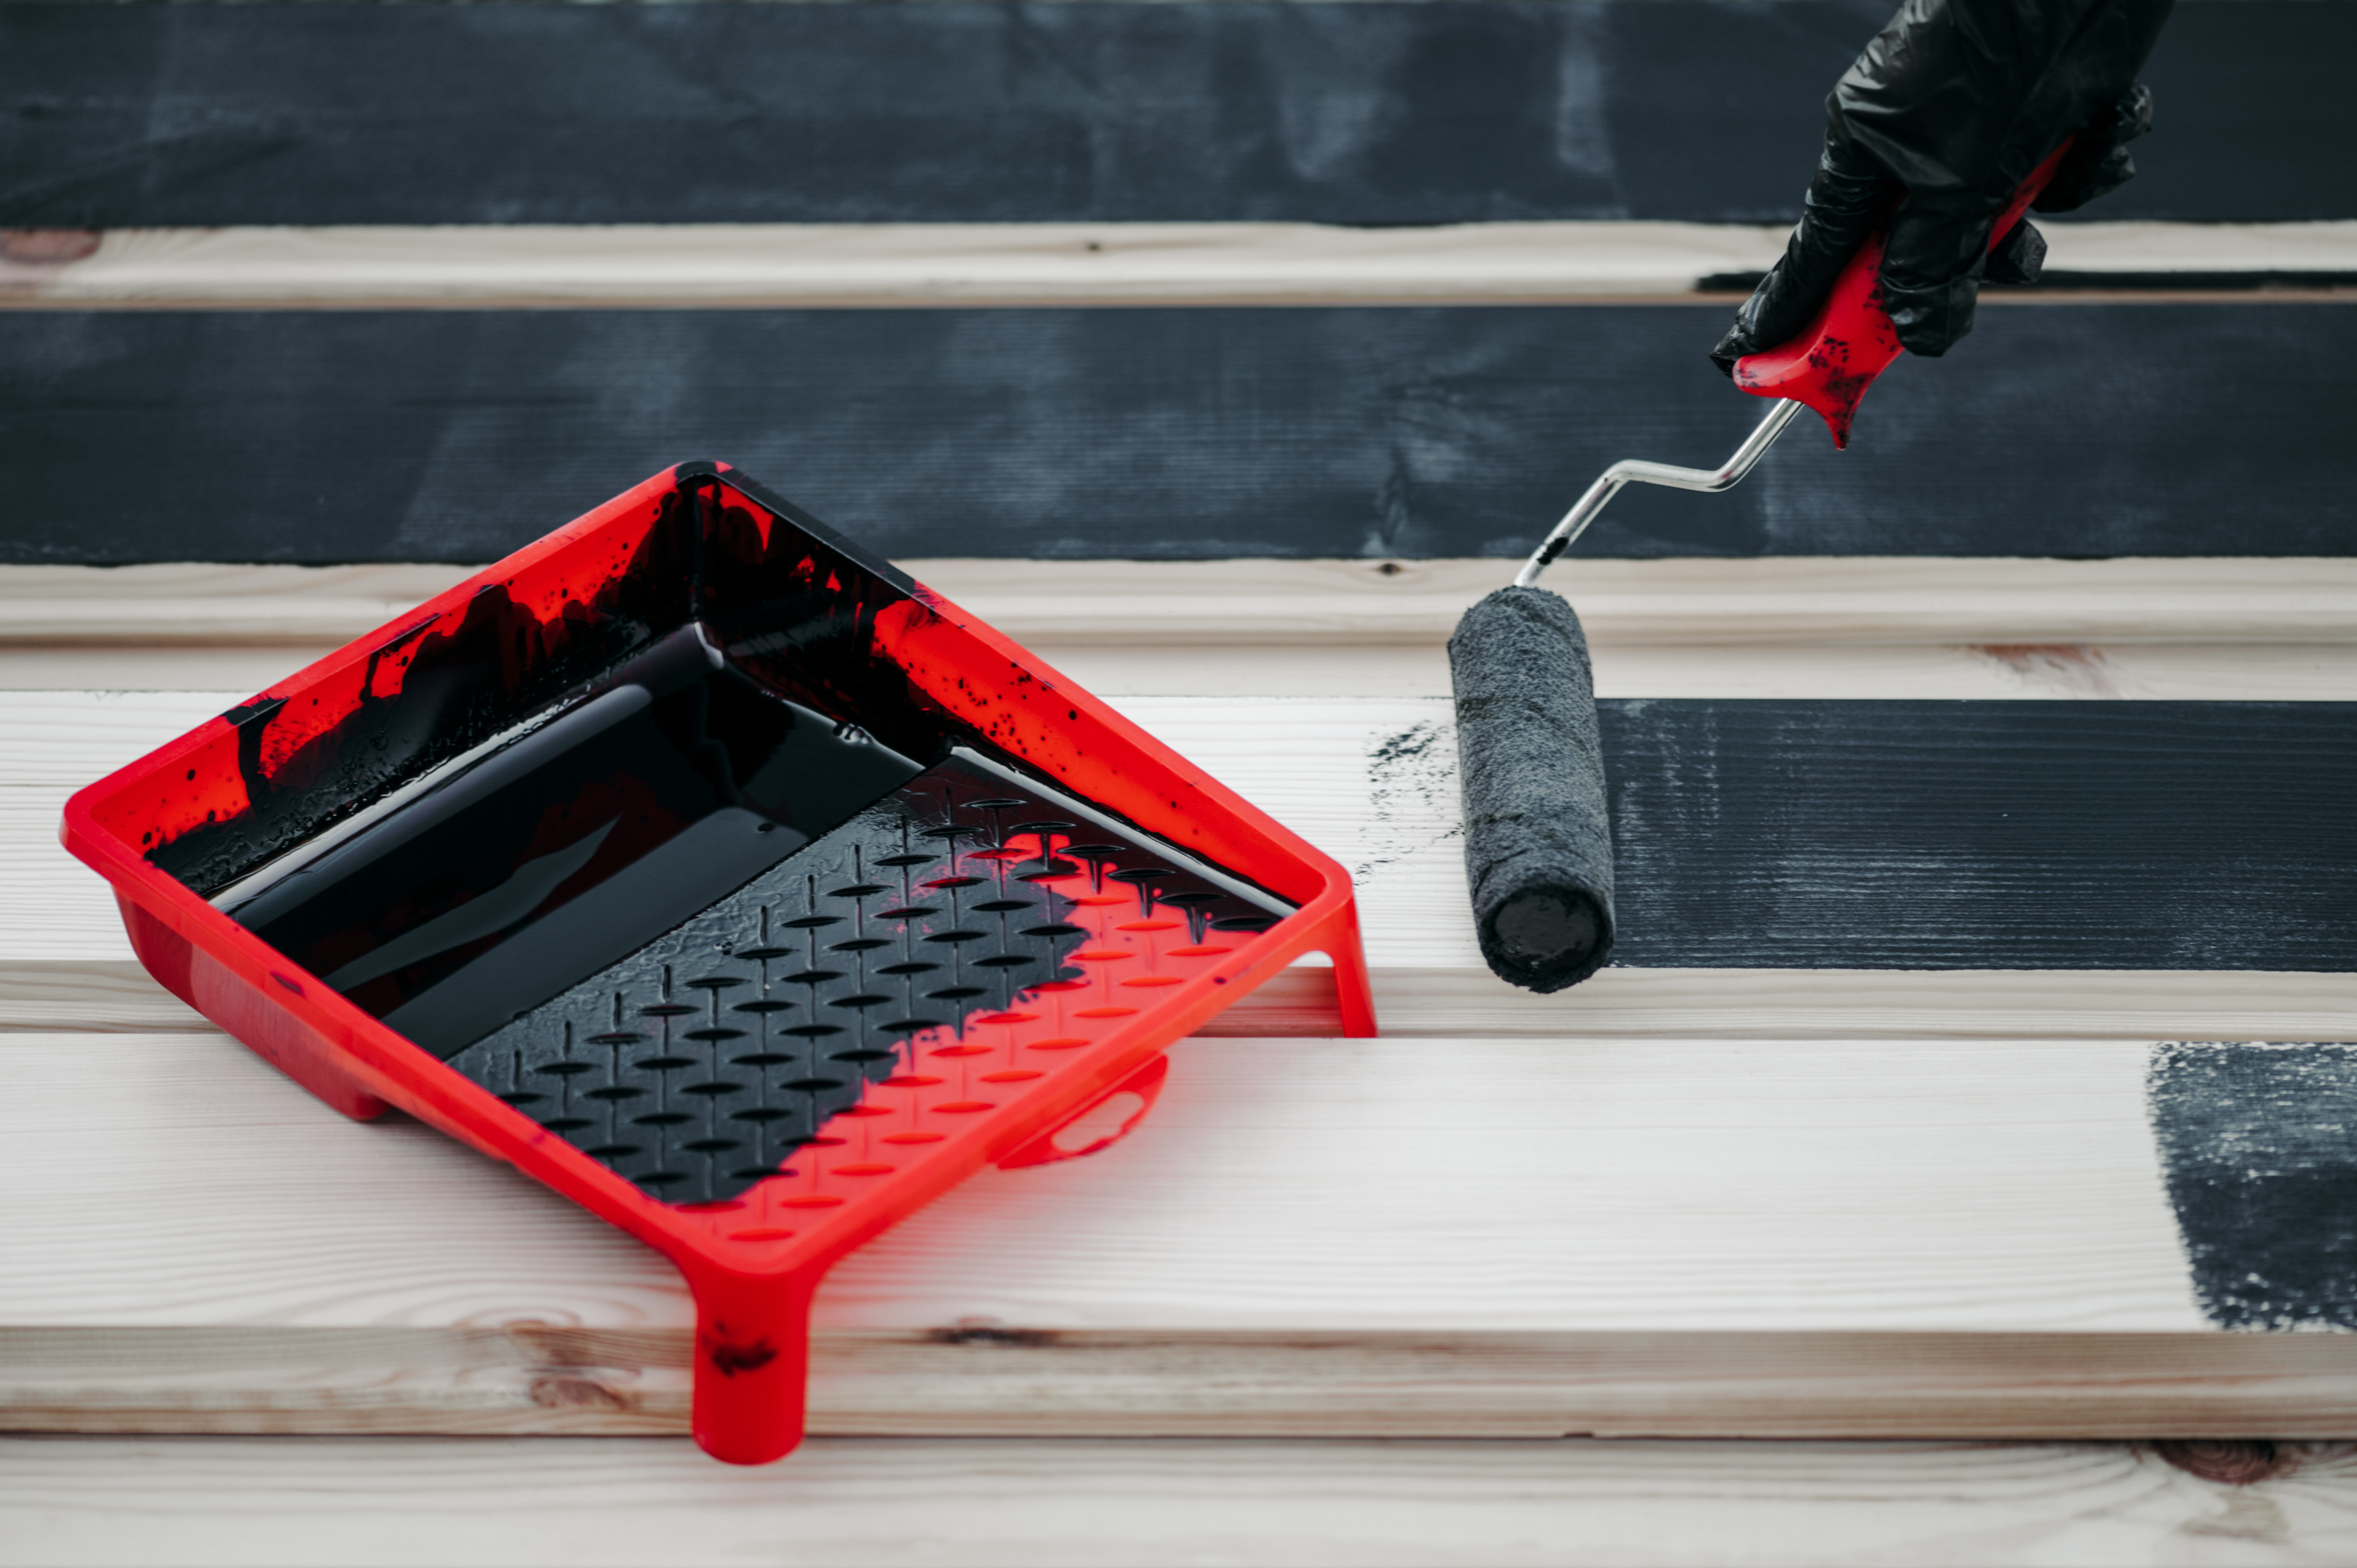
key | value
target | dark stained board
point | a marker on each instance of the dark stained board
(1964, 835)
(1457, 111)
(2080, 430)
(2255, 1143)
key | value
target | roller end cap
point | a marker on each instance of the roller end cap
(1544, 938)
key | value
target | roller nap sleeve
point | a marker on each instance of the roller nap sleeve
(1538, 841)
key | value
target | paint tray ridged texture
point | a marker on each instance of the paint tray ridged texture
(720, 876)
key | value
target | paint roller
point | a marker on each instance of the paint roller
(1538, 832)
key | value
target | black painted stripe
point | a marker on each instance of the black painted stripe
(1457, 111)
(353, 437)
(2258, 1145)
(1984, 836)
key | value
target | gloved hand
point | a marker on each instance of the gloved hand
(1935, 127)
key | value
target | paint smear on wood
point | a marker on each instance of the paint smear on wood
(343, 436)
(2034, 836)
(2258, 1143)
(1411, 795)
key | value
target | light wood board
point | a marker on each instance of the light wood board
(1320, 604)
(1577, 1186)
(1682, 1238)
(2321, 671)
(901, 264)
(68, 1503)
(1661, 1230)
(1321, 767)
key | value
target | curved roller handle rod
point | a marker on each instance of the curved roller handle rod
(1826, 367)
(1831, 362)
(1608, 485)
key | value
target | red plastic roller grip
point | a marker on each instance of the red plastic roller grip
(1829, 364)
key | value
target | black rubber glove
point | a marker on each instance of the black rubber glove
(1935, 127)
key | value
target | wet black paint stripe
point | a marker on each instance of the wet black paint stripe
(1965, 835)
(2258, 1145)
(1458, 111)
(343, 436)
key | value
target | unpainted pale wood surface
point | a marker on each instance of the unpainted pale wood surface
(1705, 1238)
(91, 1503)
(964, 263)
(1307, 605)
(1303, 1185)
(1740, 1234)
(1685, 1238)
(1017, 263)
(1993, 672)
(987, 1380)
(115, 995)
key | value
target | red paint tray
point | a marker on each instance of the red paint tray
(721, 877)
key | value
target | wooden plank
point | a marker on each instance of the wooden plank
(45, 667)
(2015, 1189)
(1738, 1188)
(1121, 670)
(1809, 1004)
(1721, 615)
(855, 265)
(1373, 782)
(1374, 116)
(109, 995)
(1734, 1237)
(102, 994)
(852, 265)
(317, 1505)
(330, 435)
(194, 603)
(2105, 1269)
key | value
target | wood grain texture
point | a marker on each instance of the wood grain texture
(1908, 856)
(1731, 1238)
(854, 264)
(182, 602)
(104, 995)
(1988, 672)
(1377, 114)
(2027, 614)
(1689, 1187)
(1869, 1237)
(1889, 820)
(1823, 1004)
(1118, 671)
(990, 1381)
(64, 1502)
(332, 435)
(112, 994)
